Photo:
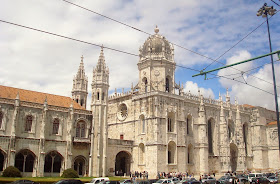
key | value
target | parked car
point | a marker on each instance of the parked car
(223, 180)
(110, 182)
(273, 179)
(192, 182)
(187, 180)
(254, 175)
(260, 181)
(126, 181)
(71, 181)
(163, 181)
(24, 182)
(208, 180)
(98, 180)
(242, 181)
(175, 180)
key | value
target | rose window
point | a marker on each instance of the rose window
(122, 112)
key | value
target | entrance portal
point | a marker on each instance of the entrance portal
(122, 164)
(233, 156)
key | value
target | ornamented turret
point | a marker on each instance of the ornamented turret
(99, 107)
(80, 83)
(156, 65)
(227, 99)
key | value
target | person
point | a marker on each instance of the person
(200, 178)
(214, 175)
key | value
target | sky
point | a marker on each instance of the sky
(46, 63)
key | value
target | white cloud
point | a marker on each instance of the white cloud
(193, 89)
(41, 62)
(228, 72)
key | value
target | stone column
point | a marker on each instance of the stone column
(12, 141)
(224, 141)
(239, 141)
(202, 143)
(41, 156)
(69, 138)
(105, 143)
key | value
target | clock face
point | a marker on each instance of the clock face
(156, 72)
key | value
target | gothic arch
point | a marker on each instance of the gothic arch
(171, 152)
(145, 82)
(82, 126)
(190, 154)
(211, 135)
(24, 160)
(3, 157)
(80, 165)
(53, 162)
(141, 154)
(231, 129)
(168, 82)
(189, 125)
(233, 156)
(122, 163)
(142, 125)
(245, 131)
(170, 122)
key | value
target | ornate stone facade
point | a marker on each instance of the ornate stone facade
(154, 127)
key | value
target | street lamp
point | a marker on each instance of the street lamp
(264, 11)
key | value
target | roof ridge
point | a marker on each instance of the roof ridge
(35, 91)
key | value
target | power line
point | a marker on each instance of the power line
(214, 60)
(275, 3)
(69, 38)
(133, 27)
(74, 39)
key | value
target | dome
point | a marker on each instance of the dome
(156, 46)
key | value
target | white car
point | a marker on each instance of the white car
(163, 181)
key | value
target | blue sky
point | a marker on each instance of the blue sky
(40, 62)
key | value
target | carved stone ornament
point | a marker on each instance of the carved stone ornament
(274, 134)
(144, 73)
(156, 73)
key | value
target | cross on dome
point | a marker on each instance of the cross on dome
(156, 29)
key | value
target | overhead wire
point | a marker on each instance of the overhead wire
(117, 50)
(214, 60)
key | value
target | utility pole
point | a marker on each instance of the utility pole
(264, 11)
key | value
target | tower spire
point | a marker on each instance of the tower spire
(80, 83)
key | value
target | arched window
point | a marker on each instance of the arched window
(1, 119)
(189, 125)
(170, 122)
(55, 126)
(167, 84)
(53, 162)
(24, 161)
(142, 124)
(245, 135)
(81, 129)
(103, 94)
(210, 130)
(2, 159)
(82, 102)
(230, 129)
(97, 95)
(77, 100)
(190, 154)
(141, 153)
(79, 165)
(171, 152)
(28, 123)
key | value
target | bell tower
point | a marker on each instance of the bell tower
(80, 83)
(156, 65)
(99, 107)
